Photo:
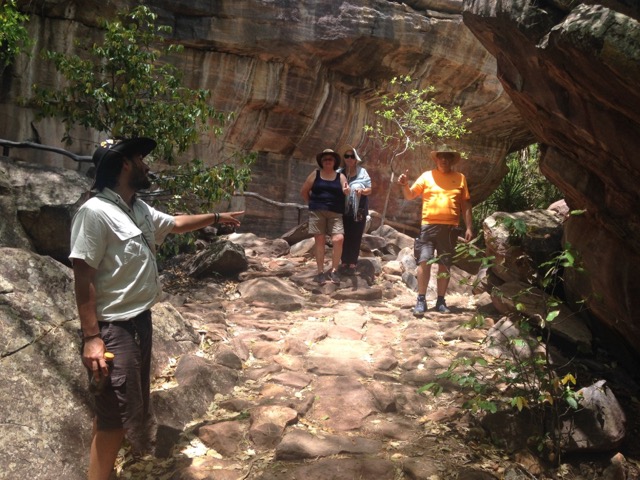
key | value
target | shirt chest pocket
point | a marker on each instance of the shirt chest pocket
(133, 243)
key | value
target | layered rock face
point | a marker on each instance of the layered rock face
(573, 71)
(300, 77)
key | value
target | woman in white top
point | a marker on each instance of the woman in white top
(356, 208)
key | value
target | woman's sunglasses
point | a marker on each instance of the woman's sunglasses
(349, 155)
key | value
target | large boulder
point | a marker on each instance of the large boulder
(519, 254)
(600, 423)
(46, 431)
(607, 284)
(37, 204)
(519, 297)
(45, 425)
(197, 382)
(221, 258)
(572, 70)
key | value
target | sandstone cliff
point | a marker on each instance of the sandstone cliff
(300, 76)
(573, 70)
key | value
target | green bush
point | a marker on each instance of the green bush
(14, 37)
(522, 188)
(125, 88)
(524, 377)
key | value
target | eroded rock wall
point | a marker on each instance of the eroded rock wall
(300, 76)
(573, 71)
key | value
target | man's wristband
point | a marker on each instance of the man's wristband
(89, 337)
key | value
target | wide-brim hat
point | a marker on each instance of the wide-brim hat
(355, 152)
(445, 149)
(328, 151)
(109, 149)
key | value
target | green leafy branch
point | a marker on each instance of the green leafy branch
(14, 37)
(123, 88)
(524, 375)
(411, 117)
(196, 187)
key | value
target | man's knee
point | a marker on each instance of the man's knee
(424, 267)
(444, 267)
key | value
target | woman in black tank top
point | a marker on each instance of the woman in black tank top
(324, 191)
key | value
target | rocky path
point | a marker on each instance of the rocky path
(326, 383)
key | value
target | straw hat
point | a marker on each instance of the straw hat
(445, 149)
(328, 151)
(355, 152)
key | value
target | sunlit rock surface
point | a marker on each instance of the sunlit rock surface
(300, 76)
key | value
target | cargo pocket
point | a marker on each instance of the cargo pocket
(119, 383)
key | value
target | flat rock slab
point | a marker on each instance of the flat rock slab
(345, 348)
(337, 468)
(333, 394)
(292, 379)
(274, 292)
(300, 444)
(268, 424)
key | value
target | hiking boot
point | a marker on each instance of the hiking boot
(421, 307)
(334, 277)
(442, 307)
(320, 279)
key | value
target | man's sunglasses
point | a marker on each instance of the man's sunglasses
(349, 155)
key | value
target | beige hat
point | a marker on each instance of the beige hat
(349, 147)
(328, 151)
(445, 149)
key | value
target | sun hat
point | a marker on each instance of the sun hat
(355, 152)
(328, 151)
(110, 148)
(123, 146)
(444, 148)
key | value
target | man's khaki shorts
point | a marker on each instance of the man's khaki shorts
(324, 222)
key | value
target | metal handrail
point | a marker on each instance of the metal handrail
(7, 145)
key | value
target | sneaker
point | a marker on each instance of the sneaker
(334, 277)
(442, 307)
(421, 307)
(320, 279)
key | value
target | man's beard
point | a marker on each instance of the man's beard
(141, 181)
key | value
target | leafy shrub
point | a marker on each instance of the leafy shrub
(522, 188)
(124, 88)
(524, 375)
(14, 37)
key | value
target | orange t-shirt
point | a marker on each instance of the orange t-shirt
(442, 195)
